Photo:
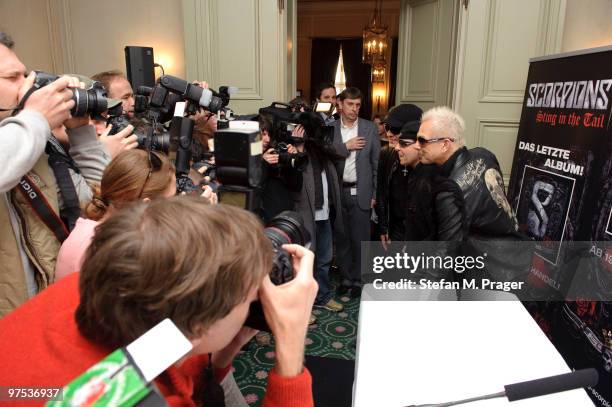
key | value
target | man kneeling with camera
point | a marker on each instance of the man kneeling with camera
(199, 265)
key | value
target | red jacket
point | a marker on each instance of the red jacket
(41, 347)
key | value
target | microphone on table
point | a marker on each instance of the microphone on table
(535, 388)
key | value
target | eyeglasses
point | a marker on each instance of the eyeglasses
(406, 143)
(155, 164)
(422, 140)
(394, 130)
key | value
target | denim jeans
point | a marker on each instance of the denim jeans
(323, 258)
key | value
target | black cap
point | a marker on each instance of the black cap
(410, 130)
(402, 114)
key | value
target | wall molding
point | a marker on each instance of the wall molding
(483, 123)
(406, 23)
(549, 37)
(60, 34)
(202, 46)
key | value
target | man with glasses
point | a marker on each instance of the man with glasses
(392, 192)
(440, 141)
(433, 210)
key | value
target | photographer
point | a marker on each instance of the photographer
(206, 291)
(23, 137)
(118, 87)
(319, 203)
(36, 215)
(280, 180)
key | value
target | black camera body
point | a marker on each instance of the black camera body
(87, 102)
(285, 228)
(289, 160)
(285, 119)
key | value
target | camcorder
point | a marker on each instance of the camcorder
(285, 119)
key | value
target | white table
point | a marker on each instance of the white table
(418, 352)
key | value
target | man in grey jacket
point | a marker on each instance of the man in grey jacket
(23, 137)
(356, 141)
(30, 241)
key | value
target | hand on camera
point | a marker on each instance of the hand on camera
(117, 143)
(53, 101)
(287, 309)
(271, 156)
(356, 143)
(291, 149)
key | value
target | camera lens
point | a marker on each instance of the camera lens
(286, 228)
(88, 102)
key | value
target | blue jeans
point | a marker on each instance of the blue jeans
(323, 258)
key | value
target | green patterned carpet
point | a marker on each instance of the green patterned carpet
(334, 335)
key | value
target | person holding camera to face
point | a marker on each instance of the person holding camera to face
(137, 273)
(319, 203)
(46, 190)
(283, 172)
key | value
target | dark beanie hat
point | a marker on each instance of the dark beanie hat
(402, 114)
(410, 130)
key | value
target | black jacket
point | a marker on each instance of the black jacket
(477, 173)
(435, 210)
(276, 192)
(387, 162)
(491, 226)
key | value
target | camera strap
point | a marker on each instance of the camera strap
(61, 163)
(213, 395)
(42, 208)
(21, 104)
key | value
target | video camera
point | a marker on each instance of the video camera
(285, 119)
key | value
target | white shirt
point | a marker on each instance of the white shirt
(323, 213)
(350, 168)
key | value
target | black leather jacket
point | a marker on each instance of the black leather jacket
(387, 163)
(491, 226)
(487, 211)
(435, 209)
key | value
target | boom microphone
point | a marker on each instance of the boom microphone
(535, 388)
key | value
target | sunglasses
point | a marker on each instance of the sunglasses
(155, 164)
(394, 130)
(422, 140)
(406, 143)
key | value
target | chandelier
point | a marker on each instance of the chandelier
(378, 70)
(375, 38)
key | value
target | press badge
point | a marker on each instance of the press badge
(353, 191)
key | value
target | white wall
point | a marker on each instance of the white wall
(587, 24)
(88, 36)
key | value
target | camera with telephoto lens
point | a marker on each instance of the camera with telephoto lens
(285, 228)
(87, 102)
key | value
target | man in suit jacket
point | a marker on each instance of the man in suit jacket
(356, 141)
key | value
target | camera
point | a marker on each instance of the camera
(285, 119)
(286, 159)
(285, 228)
(87, 102)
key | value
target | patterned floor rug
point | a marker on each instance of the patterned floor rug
(334, 335)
